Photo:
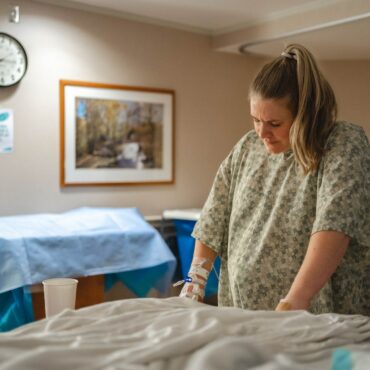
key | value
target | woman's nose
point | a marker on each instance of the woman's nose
(264, 131)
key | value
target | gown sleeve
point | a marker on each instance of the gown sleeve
(212, 226)
(343, 194)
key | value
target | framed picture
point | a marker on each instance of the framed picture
(116, 135)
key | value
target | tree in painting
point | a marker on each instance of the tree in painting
(118, 134)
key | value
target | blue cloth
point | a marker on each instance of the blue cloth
(117, 242)
(141, 281)
(341, 360)
(15, 309)
(82, 242)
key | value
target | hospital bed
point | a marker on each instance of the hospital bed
(100, 246)
(178, 333)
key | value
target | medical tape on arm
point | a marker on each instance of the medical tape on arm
(196, 280)
(198, 273)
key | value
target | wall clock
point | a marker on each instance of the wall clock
(13, 60)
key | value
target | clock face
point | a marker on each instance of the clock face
(13, 60)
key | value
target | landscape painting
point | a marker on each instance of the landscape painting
(115, 135)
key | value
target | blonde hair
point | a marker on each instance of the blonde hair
(295, 75)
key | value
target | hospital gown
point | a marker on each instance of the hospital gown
(262, 210)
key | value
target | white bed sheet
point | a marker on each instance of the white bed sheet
(177, 333)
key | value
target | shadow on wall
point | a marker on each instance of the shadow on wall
(7, 93)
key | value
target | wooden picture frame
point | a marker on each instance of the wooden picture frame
(115, 135)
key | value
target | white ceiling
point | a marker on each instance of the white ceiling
(347, 41)
(334, 29)
(203, 16)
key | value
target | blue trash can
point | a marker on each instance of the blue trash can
(184, 221)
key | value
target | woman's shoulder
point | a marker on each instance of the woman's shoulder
(345, 135)
(244, 147)
(246, 141)
(344, 130)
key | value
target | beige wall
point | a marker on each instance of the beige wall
(211, 107)
(351, 83)
(62, 43)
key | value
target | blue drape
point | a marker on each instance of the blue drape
(15, 309)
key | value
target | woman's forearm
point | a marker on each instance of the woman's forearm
(325, 251)
(200, 268)
(202, 251)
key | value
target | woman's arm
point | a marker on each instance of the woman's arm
(325, 251)
(202, 251)
(200, 268)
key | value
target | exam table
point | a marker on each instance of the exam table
(105, 245)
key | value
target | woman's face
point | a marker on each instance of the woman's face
(272, 121)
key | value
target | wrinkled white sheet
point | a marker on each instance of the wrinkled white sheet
(177, 333)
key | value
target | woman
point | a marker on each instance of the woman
(288, 212)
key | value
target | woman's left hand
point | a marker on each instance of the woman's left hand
(286, 304)
(283, 306)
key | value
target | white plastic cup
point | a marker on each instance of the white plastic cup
(59, 294)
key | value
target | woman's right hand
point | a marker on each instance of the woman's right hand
(193, 291)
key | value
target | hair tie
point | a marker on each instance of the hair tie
(289, 55)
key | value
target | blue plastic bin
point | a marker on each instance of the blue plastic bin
(184, 221)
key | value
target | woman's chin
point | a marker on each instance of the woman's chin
(273, 149)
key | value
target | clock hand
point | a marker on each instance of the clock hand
(7, 61)
(3, 58)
